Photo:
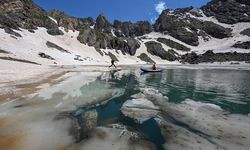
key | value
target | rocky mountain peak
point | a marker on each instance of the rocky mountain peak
(102, 23)
(70, 23)
(129, 29)
(184, 24)
(228, 11)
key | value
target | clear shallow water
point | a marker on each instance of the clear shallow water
(229, 89)
(110, 113)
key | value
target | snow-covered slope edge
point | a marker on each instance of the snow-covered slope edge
(30, 45)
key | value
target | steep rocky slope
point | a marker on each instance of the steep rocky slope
(181, 35)
(15, 14)
(228, 11)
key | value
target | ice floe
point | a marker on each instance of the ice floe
(197, 125)
(139, 109)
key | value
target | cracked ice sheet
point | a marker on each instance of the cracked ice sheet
(197, 125)
(77, 89)
(29, 123)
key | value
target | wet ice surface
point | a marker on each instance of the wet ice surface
(31, 119)
(192, 109)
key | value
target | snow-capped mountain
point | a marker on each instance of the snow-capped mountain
(217, 32)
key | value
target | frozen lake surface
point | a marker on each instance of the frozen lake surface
(180, 108)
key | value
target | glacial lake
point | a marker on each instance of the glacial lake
(105, 92)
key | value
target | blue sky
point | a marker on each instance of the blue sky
(124, 10)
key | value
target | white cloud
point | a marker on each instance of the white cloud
(160, 6)
(152, 20)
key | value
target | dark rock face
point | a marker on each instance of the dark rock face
(128, 29)
(87, 36)
(11, 32)
(246, 32)
(214, 30)
(70, 23)
(53, 45)
(133, 45)
(170, 24)
(146, 58)
(181, 26)
(228, 11)
(243, 45)
(54, 31)
(103, 40)
(173, 44)
(25, 14)
(211, 57)
(156, 49)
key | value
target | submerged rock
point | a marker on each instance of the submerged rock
(89, 120)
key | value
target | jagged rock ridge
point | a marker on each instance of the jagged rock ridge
(15, 14)
(183, 24)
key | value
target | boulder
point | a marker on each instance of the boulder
(43, 55)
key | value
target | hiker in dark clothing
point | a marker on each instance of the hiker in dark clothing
(154, 66)
(112, 63)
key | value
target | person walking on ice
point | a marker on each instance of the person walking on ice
(112, 63)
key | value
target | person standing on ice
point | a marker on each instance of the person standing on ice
(112, 63)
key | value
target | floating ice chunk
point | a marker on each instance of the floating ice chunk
(139, 109)
(140, 103)
(155, 96)
(201, 104)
